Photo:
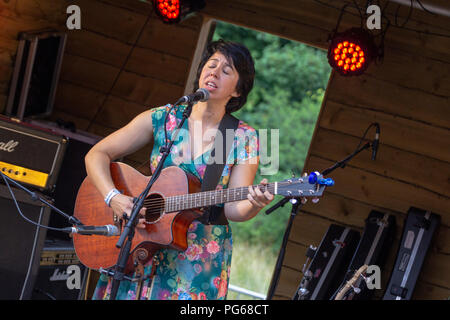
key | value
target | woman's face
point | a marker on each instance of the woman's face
(219, 77)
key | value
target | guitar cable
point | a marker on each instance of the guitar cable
(21, 213)
(33, 248)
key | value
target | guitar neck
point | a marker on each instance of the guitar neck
(209, 198)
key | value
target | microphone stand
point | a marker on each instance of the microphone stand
(295, 209)
(296, 205)
(129, 229)
(72, 220)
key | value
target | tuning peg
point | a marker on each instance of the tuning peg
(304, 175)
(328, 182)
(313, 177)
(356, 289)
(293, 174)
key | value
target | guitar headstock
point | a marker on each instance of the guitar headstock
(351, 282)
(305, 186)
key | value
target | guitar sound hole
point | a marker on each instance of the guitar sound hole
(155, 208)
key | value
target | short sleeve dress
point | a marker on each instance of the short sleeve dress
(203, 270)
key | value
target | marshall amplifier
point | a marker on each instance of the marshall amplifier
(71, 175)
(328, 264)
(418, 231)
(30, 154)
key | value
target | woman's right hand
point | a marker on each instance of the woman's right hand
(123, 205)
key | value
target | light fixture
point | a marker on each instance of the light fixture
(350, 52)
(174, 11)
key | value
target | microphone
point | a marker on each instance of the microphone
(200, 95)
(107, 230)
(375, 142)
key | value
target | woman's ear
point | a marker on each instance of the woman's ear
(235, 94)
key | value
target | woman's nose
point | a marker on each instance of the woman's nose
(213, 73)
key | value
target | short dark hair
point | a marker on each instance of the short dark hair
(243, 63)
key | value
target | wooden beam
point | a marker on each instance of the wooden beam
(390, 162)
(204, 37)
(145, 90)
(158, 65)
(398, 132)
(380, 191)
(88, 73)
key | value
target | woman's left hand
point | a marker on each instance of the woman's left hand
(260, 198)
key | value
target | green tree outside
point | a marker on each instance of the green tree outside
(290, 82)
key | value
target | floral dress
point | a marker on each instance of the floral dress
(202, 271)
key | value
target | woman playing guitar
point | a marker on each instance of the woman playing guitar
(202, 271)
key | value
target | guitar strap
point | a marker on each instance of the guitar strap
(213, 172)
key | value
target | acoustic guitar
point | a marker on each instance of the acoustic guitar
(171, 205)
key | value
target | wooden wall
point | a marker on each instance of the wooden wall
(408, 95)
(124, 60)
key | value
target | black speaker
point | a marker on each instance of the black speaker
(36, 73)
(61, 276)
(21, 243)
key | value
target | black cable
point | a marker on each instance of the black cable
(365, 133)
(359, 11)
(166, 140)
(407, 18)
(404, 27)
(425, 9)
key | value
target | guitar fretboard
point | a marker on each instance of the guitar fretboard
(209, 198)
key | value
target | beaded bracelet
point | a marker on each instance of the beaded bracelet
(110, 195)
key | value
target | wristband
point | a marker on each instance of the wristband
(110, 195)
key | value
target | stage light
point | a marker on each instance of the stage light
(174, 11)
(350, 52)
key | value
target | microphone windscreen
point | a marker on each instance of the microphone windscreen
(205, 94)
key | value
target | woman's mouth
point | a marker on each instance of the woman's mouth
(211, 85)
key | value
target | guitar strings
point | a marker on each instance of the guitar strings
(157, 204)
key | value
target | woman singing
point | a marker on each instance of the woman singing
(202, 271)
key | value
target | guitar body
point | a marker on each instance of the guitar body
(168, 231)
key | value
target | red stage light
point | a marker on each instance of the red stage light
(173, 11)
(351, 51)
(168, 10)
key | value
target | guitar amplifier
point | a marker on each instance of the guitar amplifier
(30, 154)
(328, 265)
(58, 262)
(373, 248)
(418, 231)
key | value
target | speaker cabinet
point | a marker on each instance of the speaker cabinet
(36, 73)
(21, 243)
(61, 275)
